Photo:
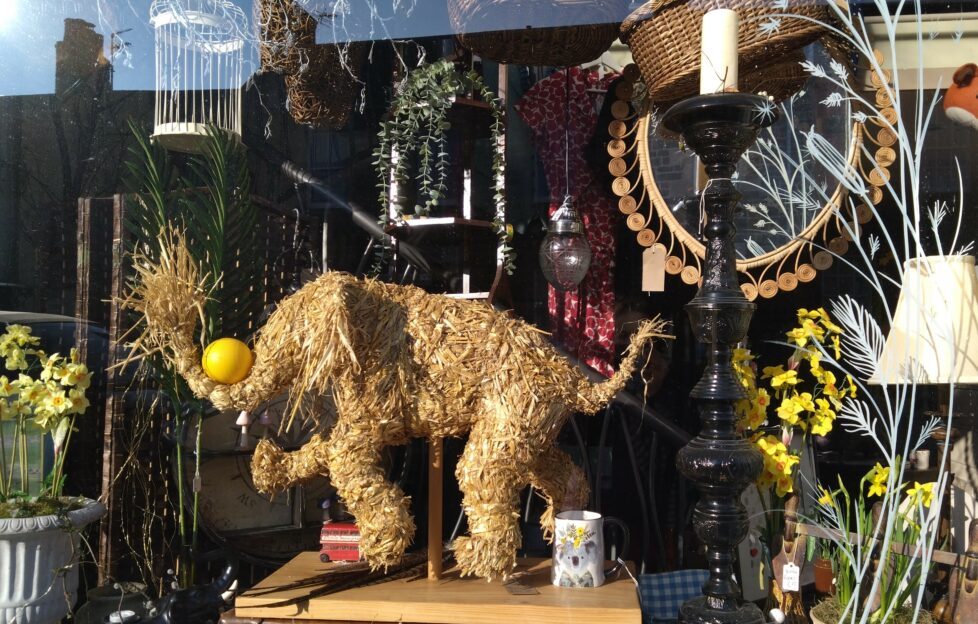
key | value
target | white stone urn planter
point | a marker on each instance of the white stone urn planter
(38, 575)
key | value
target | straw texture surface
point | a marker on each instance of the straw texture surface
(400, 363)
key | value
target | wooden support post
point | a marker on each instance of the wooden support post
(436, 473)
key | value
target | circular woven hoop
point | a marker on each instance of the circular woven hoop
(516, 44)
(665, 38)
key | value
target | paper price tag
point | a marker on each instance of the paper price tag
(792, 576)
(654, 268)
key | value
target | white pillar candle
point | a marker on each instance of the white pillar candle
(718, 56)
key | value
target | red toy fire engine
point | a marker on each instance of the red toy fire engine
(340, 542)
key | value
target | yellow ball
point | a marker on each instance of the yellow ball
(227, 360)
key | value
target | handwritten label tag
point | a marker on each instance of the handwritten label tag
(654, 268)
(792, 578)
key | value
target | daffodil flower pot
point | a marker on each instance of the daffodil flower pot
(823, 575)
(827, 612)
(38, 557)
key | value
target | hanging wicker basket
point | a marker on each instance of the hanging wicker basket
(780, 81)
(322, 93)
(665, 37)
(286, 34)
(514, 43)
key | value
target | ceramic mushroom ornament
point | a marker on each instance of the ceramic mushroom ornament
(961, 98)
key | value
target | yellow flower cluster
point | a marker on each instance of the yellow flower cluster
(15, 345)
(778, 462)
(56, 393)
(810, 410)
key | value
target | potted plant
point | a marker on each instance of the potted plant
(895, 566)
(821, 558)
(40, 397)
(412, 146)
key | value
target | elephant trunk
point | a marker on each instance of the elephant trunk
(170, 295)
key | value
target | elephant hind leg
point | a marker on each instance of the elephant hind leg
(274, 470)
(491, 479)
(561, 483)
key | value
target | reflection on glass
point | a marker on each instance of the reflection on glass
(783, 188)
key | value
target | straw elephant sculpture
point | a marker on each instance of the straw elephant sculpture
(400, 364)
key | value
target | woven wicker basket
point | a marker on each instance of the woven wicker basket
(323, 94)
(665, 38)
(780, 81)
(514, 43)
(286, 34)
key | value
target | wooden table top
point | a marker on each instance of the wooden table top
(450, 600)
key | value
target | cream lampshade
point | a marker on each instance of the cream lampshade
(934, 336)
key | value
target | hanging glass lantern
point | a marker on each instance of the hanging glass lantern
(565, 254)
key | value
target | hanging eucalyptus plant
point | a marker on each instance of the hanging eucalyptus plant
(417, 132)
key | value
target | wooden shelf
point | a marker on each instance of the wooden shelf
(451, 600)
(419, 223)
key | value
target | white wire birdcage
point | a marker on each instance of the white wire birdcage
(199, 64)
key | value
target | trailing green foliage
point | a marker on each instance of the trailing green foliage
(417, 132)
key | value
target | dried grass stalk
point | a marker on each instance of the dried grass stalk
(400, 363)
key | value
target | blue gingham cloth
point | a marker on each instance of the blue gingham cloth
(663, 594)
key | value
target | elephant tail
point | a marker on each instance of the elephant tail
(591, 397)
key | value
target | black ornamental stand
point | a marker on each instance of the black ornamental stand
(719, 128)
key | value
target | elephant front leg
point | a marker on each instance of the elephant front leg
(491, 479)
(274, 470)
(381, 509)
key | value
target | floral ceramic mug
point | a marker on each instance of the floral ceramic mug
(579, 549)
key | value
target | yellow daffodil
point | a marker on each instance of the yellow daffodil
(770, 445)
(46, 419)
(780, 377)
(798, 336)
(15, 359)
(826, 377)
(826, 498)
(828, 324)
(77, 375)
(804, 313)
(789, 410)
(7, 387)
(813, 329)
(79, 402)
(880, 475)
(820, 425)
(742, 355)
(57, 402)
(785, 485)
(922, 492)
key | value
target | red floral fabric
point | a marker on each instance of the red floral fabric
(583, 321)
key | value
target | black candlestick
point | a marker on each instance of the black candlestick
(719, 128)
